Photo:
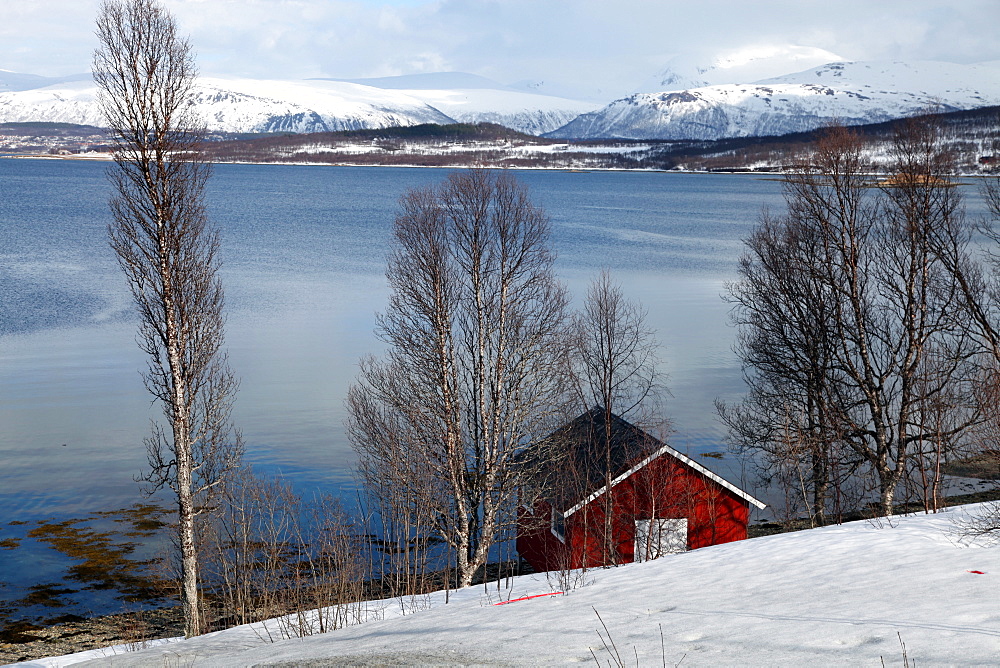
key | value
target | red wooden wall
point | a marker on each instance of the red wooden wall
(665, 489)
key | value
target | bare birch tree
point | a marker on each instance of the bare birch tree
(474, 370)
(987, 321)
(875, 309)
(783, 310)
(145, 73)
(615, 365)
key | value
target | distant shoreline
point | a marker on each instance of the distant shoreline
(765, 175)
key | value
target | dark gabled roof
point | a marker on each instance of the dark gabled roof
(587, 458)
(584, 443)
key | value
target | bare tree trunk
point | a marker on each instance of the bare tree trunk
(615, 364)
(145, 74)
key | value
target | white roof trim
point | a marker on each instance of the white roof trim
(666, 449)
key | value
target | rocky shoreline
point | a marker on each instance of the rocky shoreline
(26, 642)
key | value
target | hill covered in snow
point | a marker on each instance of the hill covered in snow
(692, 103)
(315, 105)
(853, 594)
(849, 93)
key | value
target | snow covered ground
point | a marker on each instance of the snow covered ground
(842, 595)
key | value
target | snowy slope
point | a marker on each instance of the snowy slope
(469, 98)
(833, 596)
(307, 106)
(849, 93)
(60, 103)
(244, 105)
(524, 112)
(964, 84)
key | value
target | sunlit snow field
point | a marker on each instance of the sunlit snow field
(854, 594)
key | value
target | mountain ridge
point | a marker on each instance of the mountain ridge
(851, 93)
(317, 105)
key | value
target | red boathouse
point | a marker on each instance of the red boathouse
(634, 499)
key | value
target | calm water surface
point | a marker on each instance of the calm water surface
(304, 254)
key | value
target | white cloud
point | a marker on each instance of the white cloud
(596, 47)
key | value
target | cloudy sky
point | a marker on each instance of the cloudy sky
(590, 48)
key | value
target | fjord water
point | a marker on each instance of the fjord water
(304, 253)
(304, 259)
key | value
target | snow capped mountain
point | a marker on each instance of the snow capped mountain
(243, 106)
(59, 103)
(312, 106)
(848, 93)
(307, 106)
(753, 63)
(845, 92)
(927, 78)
